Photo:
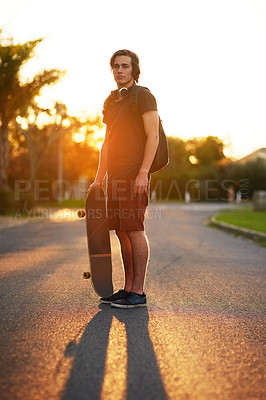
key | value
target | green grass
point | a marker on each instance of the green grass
(71, 203)
(237, 209)
(254, 220)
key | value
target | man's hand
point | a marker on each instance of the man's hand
(141, 184)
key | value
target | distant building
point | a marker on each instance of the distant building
(258, 154)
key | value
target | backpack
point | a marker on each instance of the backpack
(161, 158)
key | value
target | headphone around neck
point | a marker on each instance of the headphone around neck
(123, 91)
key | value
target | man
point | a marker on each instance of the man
(126, 156)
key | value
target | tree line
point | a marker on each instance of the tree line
(199, 169)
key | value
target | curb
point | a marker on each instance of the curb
(236, 229)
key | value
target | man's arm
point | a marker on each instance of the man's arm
(102, 166)
(151, 127)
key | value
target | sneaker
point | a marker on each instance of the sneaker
(132, 300)
(116, 296)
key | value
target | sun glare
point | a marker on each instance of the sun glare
(79, 137)
(96, 139)
(99, 145)
(193, 160)
(66, 123)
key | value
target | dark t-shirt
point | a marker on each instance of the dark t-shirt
(126, 136)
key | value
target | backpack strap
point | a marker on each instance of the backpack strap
(134, 97)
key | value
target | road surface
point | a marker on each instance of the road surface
(201, 336)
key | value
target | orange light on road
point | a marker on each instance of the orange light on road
(115, 384)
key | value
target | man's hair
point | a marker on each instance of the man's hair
(134, 61)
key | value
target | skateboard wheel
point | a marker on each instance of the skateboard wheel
(86, 275)
(81, 213)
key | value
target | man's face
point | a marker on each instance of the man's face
(123, 71)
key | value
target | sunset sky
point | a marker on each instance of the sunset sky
(204, 60)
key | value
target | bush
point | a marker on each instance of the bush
(8, 205)
(7, 201)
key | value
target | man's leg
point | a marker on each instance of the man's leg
(126, 251)
(140, 257)
(135, 255)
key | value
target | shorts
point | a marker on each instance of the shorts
(125, 210)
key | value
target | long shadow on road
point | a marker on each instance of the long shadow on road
(88, 371)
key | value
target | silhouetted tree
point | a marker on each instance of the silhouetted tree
(207, 150)
(15, 97)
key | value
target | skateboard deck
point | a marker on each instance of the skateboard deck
(99, 245)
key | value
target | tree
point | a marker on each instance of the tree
(58, 126)
(207, 150)
(16, 97)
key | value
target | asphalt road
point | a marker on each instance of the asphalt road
(201, 336)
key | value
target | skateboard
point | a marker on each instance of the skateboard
(99, 245)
